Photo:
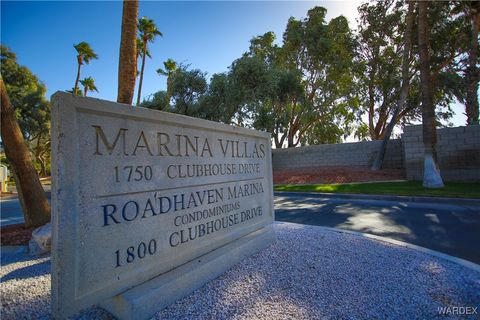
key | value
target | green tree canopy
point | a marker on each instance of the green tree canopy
(301, 92)
(378, 62)
(32, 109)
(187, 88)
(307, 82)
(27, 96)
(318, 83)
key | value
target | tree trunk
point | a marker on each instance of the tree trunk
(472, 74)
(127, 64)
(85, 91)
(38, 150)
(431, 172)
(75, 88)
(277, 142)
(41, 158)
(377, 164)
(290, 140)
(141, 73)
(36, 208)
(43, 167)
(371, 98)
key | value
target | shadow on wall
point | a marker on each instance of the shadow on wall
(458, 153)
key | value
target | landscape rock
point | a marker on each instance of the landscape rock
(41, 241)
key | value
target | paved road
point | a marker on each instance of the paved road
(449, 228)
(11, 211)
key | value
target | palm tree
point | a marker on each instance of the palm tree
(127, 64)
(431, 173)
(36, 208)
(170, 68)
(473, 72)
(140, 51)
(400, 105)
(85, 54)
(88, 84)
(147, 32)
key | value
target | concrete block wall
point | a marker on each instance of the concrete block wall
(358, 154)
(458, 151)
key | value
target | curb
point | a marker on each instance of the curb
(465, 263)
(417, 199)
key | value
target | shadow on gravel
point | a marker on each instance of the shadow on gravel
(39, 268)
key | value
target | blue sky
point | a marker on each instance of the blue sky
(207, 35)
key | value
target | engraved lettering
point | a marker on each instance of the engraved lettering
(110, 147)
(163, 144)
(144, 145)
(125, 211)
(107, 214)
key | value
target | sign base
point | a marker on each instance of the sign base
(144, 300)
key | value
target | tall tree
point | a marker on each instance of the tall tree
(379, 80)
(85, 55)
(147, 32)
(401, 104)
(32, 109)
(36, 208)
(140, 52)
(170, 68)
(88, 85)
(473, 73)
(431, 172)
(223, 100)
(323, 54)
(187, 88)
(300, 91)
(127, 62)
(378, 57)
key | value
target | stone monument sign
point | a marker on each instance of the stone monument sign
(147, 206)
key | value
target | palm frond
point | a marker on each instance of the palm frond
(85, 51)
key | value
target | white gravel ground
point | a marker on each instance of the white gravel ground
(310, 273)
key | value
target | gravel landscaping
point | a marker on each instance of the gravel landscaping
(310, 273)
